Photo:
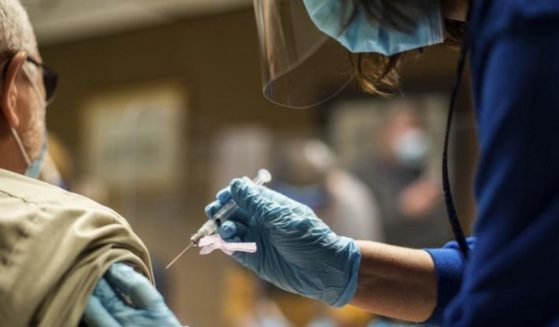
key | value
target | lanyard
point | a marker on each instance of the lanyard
(449, 200)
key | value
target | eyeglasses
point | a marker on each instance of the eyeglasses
(50, 77)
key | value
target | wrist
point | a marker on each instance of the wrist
(396, 282)
(353, 262)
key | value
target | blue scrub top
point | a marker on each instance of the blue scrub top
(512, 275)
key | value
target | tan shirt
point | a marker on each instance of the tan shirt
(54, 247)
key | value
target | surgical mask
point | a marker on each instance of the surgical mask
(33, 169)
(33, 166)
(314, 196)
(412, 148)
(361, 34)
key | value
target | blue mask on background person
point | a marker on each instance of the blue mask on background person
(361, 34)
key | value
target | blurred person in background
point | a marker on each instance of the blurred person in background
(401, 174)
(306, 170)
(58, 165)
(56, 246)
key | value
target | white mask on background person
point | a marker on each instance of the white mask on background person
(33, 169)
(412, 147)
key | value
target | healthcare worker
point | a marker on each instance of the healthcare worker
(504, 276)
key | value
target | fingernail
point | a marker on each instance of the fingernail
(227, 228)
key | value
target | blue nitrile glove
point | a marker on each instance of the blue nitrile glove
(106, 308)
(296, 250)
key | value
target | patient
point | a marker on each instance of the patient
(55, 246)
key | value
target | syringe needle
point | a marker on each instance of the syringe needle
(178, 256)
(211, 226)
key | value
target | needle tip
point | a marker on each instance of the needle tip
(178, 256)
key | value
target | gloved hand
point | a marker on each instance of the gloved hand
(106, 308)
(296, 250)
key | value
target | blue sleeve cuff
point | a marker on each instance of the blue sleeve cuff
(449, 266)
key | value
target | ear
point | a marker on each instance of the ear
(8, 97)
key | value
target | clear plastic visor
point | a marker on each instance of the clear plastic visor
(301, 66)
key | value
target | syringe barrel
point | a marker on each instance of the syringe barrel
(222, 214)
(211, 226)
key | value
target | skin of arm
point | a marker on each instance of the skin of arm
(396, 282)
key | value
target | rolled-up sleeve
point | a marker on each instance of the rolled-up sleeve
(449, 267)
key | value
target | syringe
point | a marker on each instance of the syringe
(211, 226)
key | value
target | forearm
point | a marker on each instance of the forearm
(396, 282)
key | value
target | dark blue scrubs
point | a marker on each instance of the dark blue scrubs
(512, 275)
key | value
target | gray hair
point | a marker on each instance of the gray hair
(16, 32)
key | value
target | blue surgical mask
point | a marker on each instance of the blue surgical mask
(360, 34)
(33, 169)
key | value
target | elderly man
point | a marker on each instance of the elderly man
(55, 246)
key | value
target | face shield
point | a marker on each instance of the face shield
(306, 44)
(301, 66)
